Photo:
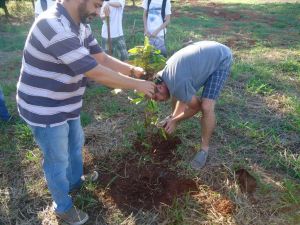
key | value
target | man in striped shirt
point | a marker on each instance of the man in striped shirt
(60, 54)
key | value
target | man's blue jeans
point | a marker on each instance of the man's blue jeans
(4, 115)
(63, 166)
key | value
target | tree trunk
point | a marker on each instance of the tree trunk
(108, 35)
(3, 6)
(32, 1)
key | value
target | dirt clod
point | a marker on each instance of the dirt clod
(224, 206)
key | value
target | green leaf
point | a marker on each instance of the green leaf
(137, 100)
(135, 50)
(163, 133)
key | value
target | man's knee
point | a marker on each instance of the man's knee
(207, 106)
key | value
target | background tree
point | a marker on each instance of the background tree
(3, 6)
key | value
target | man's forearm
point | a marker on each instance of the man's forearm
(184, 111)
(187, 113)
(164, 25)
(113, 63)
(110, 78)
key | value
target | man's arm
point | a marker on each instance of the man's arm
(183, 111)
(163, 26)
(117, 65)
(186, 110)
(110, 78)
(105, 11)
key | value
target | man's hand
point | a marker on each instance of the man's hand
(146, 87)
(138, 72)
(163, 122)
(155, 33)
(170, 125)
(147, 33)
(106, 10)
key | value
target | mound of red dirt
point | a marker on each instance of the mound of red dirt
(145, 186)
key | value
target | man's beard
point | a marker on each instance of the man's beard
(84, 16)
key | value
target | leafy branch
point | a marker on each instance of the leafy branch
(148, 58)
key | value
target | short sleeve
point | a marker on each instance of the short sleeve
(38, 8)
(168, 7)
(184, 91)
(67, 48)
(144, 4)
(93, 44)
(122, 2)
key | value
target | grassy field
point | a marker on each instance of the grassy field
(258, 126)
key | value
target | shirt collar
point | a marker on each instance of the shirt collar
(61, 9)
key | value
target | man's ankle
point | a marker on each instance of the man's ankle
(204, 149)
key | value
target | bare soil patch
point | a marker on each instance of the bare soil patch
(160, 150)
(144, 181)
(240, 41)
(218, 10)
(145, 186)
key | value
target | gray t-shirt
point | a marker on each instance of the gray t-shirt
(188, 69)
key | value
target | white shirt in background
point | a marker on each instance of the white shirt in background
(154, 15)
(38, 7)
(116, 16)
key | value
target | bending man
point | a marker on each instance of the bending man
(203, 64)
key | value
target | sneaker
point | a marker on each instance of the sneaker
(90, 177)
(199, 160)
(74, 216)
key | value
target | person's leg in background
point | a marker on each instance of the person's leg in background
(4, 114)
(159, 43)
(121, 50)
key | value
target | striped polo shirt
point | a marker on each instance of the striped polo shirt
(57, 53)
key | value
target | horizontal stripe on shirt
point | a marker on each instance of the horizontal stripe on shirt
(50, 84)
(48, 31)
(49, 66)
(34, 91)
(41, 110)
(38, 120)
(48, 102)
(64, 78)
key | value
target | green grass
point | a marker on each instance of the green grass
(85, 118)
